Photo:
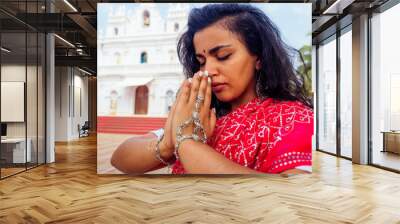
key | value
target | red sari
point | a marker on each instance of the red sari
(269, 136)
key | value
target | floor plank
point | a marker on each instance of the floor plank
(70, 191)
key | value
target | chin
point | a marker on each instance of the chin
(223, 97)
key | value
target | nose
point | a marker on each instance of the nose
(211, 69)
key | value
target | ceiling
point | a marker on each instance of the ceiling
(76, 22)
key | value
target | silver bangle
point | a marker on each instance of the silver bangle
(158, 152)
(198, 133)
(178, 143)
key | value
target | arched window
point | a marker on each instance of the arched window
(143, 57)
(115, 31)
(113, 102)
(118, 59)
(169, 99)
(171, 54)
(146, 18)
(141, 100)
(176, 27)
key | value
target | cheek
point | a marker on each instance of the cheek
(239, 72)
(235, 68)
(242, 73)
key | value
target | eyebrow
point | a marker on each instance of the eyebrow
(214, 49)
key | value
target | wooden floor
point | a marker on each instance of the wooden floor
(10, 171)
(70, 191)
(387, 159)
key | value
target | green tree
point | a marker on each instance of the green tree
(305, 68)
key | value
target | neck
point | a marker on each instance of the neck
(248, 95)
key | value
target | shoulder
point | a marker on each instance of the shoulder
(272, 105)
(278, 113)
(280, 120)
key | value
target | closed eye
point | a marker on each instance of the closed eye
(224, 57)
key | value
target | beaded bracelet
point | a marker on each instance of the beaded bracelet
(198, 129)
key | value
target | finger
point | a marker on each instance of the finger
(184, 83)
(179, 90)
(203, 86)
(172, 110)
(212, 120)
(194, 88)
(207, 97)
(204, 111)
(184, 93)
(168, 126)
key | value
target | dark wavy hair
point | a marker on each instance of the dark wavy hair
(277, 77)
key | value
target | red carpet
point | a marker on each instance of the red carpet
(128, 125)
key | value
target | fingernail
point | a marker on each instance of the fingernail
(213, 109)
(190, 80)
(200, 74)
(209, 80)
(206, 73)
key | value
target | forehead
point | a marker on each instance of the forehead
(212, 36)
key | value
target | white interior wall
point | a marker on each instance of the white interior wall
(32, 127)
(12, 73)
(61, 103)
(70, 83)
(80, 105)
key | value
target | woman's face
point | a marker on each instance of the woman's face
(228, 62)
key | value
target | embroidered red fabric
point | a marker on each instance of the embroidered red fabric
(269, 136)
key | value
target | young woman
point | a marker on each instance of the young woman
(260, 122)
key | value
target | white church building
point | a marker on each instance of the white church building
(138, 69)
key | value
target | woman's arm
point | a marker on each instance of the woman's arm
(138, 155)
(199, 158)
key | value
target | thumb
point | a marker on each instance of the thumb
(169, 117)
(172, 110)
(168, 122)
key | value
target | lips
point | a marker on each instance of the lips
(218, 87)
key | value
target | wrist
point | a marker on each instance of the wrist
(182, 144)
(165, 151)
(187, 142)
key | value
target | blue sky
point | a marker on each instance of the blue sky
(293, 19)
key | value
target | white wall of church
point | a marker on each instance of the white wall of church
(120, 65)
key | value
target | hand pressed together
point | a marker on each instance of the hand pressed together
(183, 108)
(199, 85)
